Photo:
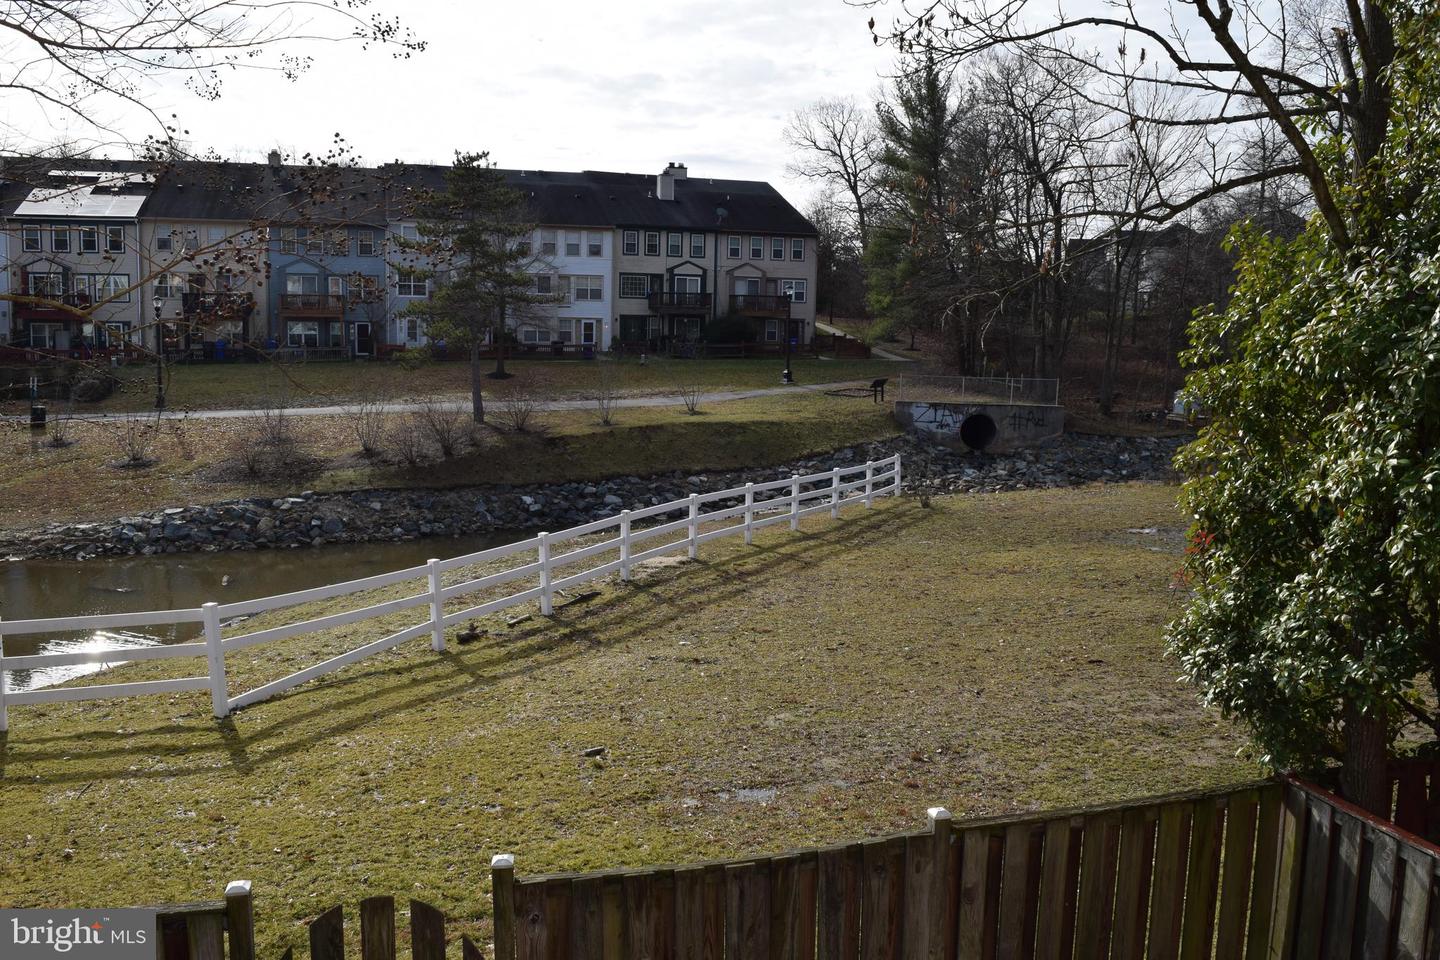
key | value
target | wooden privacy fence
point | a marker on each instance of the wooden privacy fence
(1275, 869)
(547, 564)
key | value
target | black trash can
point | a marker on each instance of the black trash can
(37, 416)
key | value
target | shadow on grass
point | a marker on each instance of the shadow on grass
(349, 701)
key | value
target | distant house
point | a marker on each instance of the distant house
(73, 241)
(202, 258)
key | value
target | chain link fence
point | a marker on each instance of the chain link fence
(1040, 391)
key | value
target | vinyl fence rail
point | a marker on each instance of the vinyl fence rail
(545, 564)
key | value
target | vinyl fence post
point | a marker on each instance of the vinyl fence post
(547, 605)
(749, 514)
(869, 484)
(437, 607)
(941, 826)
(895, 490)
(794, 501)
(835, 494)
(502, 904)
(215, 654)
(694, 525)
(240, 920)
(624, 545)
(4, 682)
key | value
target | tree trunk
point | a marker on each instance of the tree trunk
(1363, 778)
(477, 397)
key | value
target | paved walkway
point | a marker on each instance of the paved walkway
(824, 327)
(657, 400)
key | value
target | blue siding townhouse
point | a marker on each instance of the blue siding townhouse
(327, 289)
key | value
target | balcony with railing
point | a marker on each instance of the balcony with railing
(312, 304)
(679, 301)
(766, 305)
(52, 306)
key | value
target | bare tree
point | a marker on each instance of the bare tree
(836, 143)
(91, 61)
(1249, 61)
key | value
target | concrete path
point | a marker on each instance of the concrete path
(658, 400)
(824, 327)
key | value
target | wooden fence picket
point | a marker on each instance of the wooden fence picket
(377, 928)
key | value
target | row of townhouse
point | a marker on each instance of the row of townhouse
(204, 257)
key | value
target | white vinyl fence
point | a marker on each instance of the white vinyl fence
(545, 561)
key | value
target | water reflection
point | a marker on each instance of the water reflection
(32, 589)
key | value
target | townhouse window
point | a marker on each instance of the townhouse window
(544, 284)
(192, 240)
(411, 284)
(164, 238)
(83, 285)
(30, 239)
(796, 290)
(534, 335)
(363, 288)
(337, 244)
(772, 331)
(337, 286)
(777, 248)
(365, 243)
(89, 240)
(566, 332)
(303, 333)
(115, 239)
(588, 288)
(169, 285)
(114, 287)
(734, 248)
(572, 243)
(594, 243)
(60, 239)
(214, 236)
(562, 288)
(634, 285)
(46, 284)
(314, 242)
(547, 243)
(697, 245)
(42, 335)
(797, 249)
(652, 244)
(673, 242)
(632, 243)
(685, 283)
(302, 283)
(757, 248)
(522, 247)
(409, 232)
(412, 328)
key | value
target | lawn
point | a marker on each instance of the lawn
(255, 385)
(989, 654)
(196, 459)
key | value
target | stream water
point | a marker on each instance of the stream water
(31, 589)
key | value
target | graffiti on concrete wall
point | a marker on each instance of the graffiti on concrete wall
(1022, 418)
(939, 418)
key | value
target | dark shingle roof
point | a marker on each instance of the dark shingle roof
(217, 190)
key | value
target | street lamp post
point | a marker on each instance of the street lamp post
(787, 376)
(159, 304)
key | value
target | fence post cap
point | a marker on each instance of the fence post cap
(207, 606)
(937, 813)
(502, 861)
(623, 512)
(237, 888)
(432, 561)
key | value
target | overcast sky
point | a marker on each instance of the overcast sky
(564, 85)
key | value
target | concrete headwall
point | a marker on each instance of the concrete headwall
(994, 427)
